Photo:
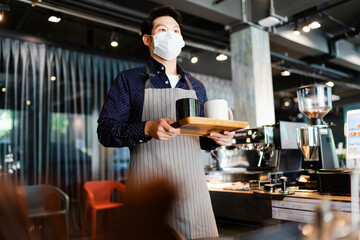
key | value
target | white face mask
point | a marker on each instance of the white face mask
(168, 45)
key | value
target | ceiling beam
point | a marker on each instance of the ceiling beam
(224, 12)
(315, 43)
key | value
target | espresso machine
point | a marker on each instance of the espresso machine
(262, 154)
(316, 140)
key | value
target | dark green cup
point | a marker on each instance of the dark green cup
(187, 107)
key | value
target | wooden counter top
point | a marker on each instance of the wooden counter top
(300, 194)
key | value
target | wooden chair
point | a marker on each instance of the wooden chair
(99, 198)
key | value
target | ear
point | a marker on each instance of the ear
(146, 40)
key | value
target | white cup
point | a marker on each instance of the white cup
(218, 109)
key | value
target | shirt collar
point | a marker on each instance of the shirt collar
(156, 67)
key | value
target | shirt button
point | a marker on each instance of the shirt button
(140, 141)
(162, 68)
(158, 72)
(167, 82)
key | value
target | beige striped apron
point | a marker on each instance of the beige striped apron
(178, 160)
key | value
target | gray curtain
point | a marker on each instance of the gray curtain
(50, 100)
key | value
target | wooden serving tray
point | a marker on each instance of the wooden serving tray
(202, 126)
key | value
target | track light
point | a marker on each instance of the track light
(114, 43)
(330, 83)
(285, 73)
(221, 57)
(314, 25)
(306, 28)
(194, 59)
(296, 32)
(114, 39)
(54, 17)
(3, 8)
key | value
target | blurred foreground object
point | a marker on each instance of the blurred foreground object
(146, 212)
(13, 216)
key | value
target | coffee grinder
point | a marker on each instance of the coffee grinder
(316, 140)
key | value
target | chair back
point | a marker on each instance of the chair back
(33, 196)
(100, 191)
(45, 196)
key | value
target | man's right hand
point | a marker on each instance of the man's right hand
(160, 129)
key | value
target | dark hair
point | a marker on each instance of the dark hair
(148, 25)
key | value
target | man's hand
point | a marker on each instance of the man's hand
(160, 129)
(222, 138)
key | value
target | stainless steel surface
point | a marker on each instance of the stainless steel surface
(230, 176)
(308, 142)
(256, 146)
(246, 156)
(257, 135)
(261, 148)
(314, 100)
(288, 134)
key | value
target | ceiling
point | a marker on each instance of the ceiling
(319, 56)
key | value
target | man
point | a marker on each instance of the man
(137, 113)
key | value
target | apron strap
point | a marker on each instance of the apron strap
(188, 82)
(149, 75)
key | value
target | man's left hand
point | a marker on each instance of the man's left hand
(222, 138)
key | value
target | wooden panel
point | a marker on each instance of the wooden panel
(301, 207)
(201, 126)
(242, 206)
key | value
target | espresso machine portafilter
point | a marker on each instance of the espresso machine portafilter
(316, 140)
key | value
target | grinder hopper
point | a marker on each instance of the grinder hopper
(314, 102)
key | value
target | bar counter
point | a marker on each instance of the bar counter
(270, 210)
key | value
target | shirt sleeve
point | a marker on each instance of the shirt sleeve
(114, 128)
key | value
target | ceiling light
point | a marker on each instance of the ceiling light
(3, 89)
(285, 73)
(52, 78)
(28, 102)
(1, 15)
(296, 31)
(269, 21)
(314, 25)
(54, 19)
(221, 57)
(114, 39)
(330, 84)
(194, 59)
(114, 43)
(306, 29)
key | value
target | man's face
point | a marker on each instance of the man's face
(161, 24)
